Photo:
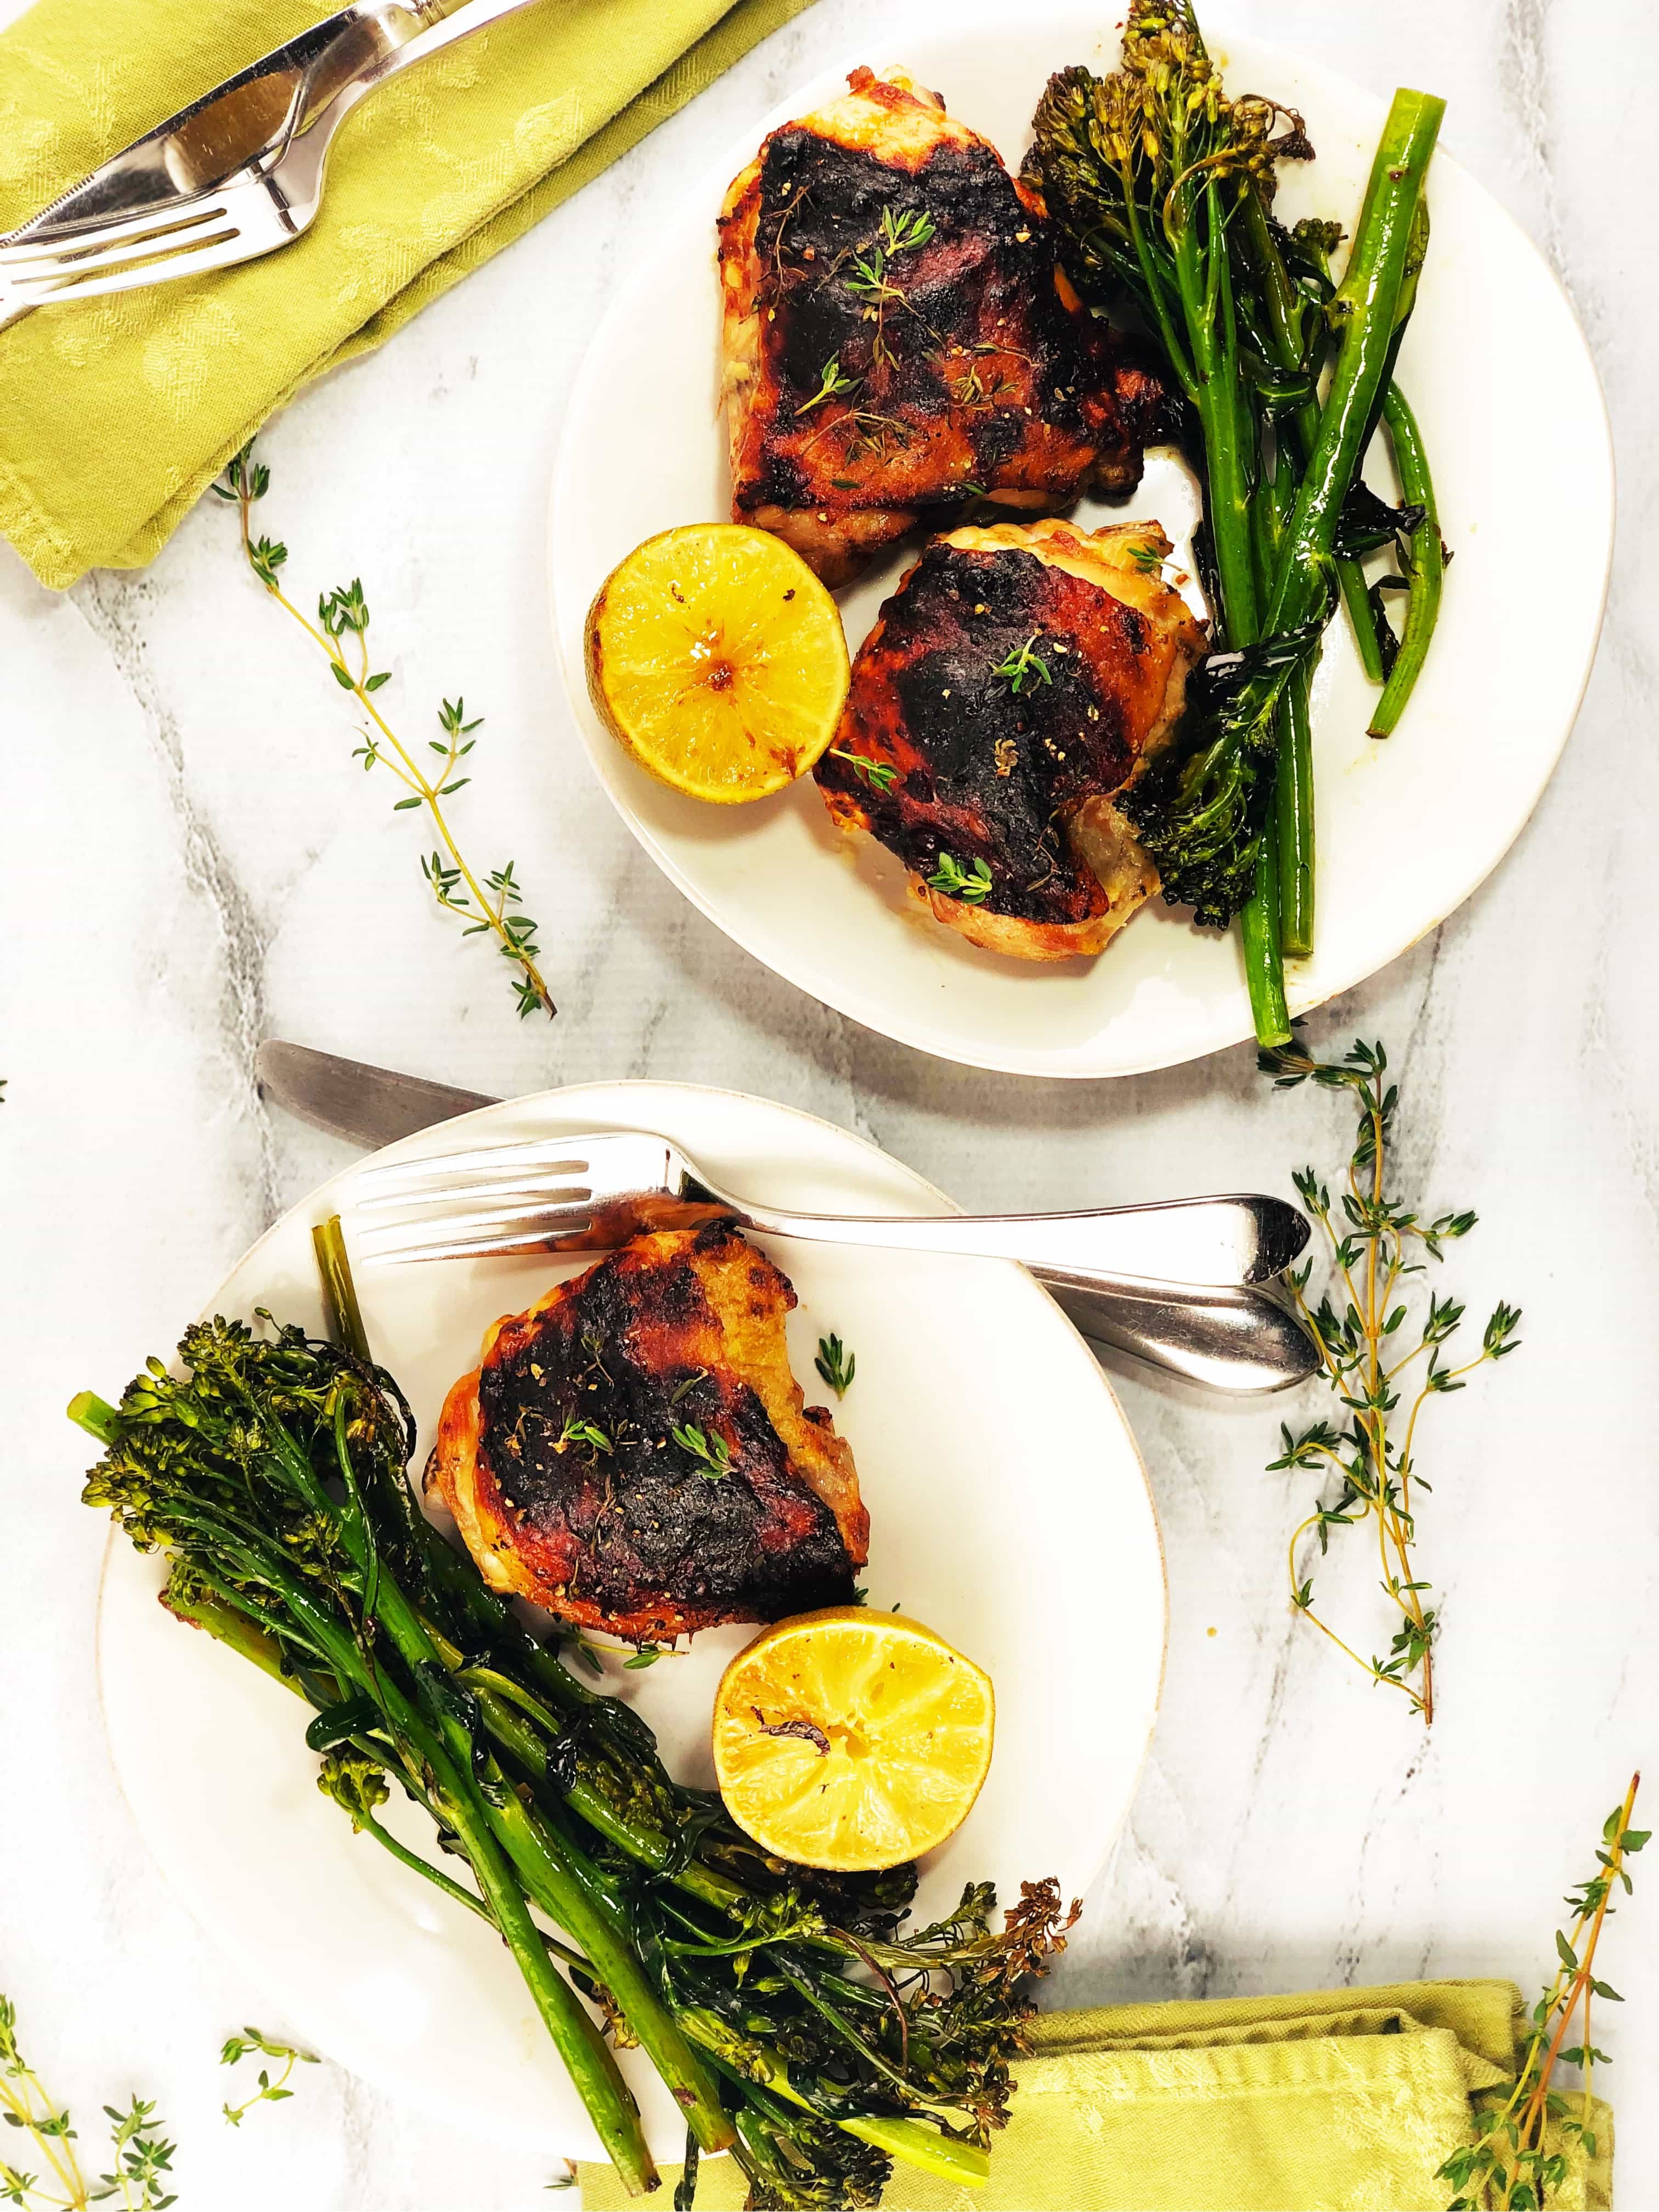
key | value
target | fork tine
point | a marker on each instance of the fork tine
(67, 244)
(488, 1220)
(224, 250)
(56, 266)
(493, 1248)
(541, 1152)
(515, 1235)
(551, 1197)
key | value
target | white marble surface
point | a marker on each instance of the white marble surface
(191, 864)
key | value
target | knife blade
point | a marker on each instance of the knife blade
(252, 114)
(366, 1105)
(1244, 1342)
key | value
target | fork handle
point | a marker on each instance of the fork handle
(447, 22)
(1205, 1243)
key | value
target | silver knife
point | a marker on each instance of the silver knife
(1244, 1341)
(249, 118)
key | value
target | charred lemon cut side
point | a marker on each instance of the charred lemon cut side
(851, 1740)
(717, 659)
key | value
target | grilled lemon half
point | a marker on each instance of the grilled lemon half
(717, 659)
(850, 1740)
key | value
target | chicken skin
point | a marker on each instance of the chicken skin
(898, 340)
(1017, 678)
(634, 1454)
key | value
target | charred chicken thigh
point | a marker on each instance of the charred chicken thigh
(634, 1453)
(898, 339)
(1017, 678)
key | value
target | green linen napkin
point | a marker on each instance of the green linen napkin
(116, 414)
(1344, 2099)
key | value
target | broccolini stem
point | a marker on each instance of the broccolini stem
(592, 2066)
(1428, 563)
(1293, 818)
(95, 1414)
(1365, 311)
(1286, 313)
(648, 1844)
(230, 1625)
(1264, 965)
(1229, 455)
(913, 2141)
(1208, 304)
(588, 2058)
(548, 1874)
(1350, 581)
(453, 1890)
(1291, 827)
(554, 1876)
(345, 1316)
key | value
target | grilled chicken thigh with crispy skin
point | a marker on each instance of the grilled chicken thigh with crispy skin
(1016, 679)
(559, 1459)
(898, 338)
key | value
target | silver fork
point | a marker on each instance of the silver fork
(591, 1193)
(267, 203)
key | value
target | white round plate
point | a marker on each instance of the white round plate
(1008, 1508)
(1442, 800)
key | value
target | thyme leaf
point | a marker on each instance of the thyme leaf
(880, 775)
(710, 1448)
(237, 2047)
(836, 1365)
(971, 885)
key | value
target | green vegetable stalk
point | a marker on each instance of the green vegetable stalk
(1425, 566)
(1162, 187)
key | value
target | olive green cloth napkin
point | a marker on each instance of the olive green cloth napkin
(116, 414)
(1346, 2098)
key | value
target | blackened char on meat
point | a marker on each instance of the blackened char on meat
(898, 339)
(560, 1460)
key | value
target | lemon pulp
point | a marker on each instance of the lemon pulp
(717, 659)
(850, 1740)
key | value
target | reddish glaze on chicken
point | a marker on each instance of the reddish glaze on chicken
(1019, 679)
(634, 1453)
(899, 340)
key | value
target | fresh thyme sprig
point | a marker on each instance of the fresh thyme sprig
(1022, 666)
(491, 907)
(971, 885)
(901, 232)
(708, 1447)
(142, 2155)
(1510, 2165)
(1361, 1336)
(578, 1431)
(880, 775)
(237, 2048)
(871, 278)
(836, 1365)
(831, 385)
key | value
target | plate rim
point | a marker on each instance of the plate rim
(453, 2108)
(851, 1004)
